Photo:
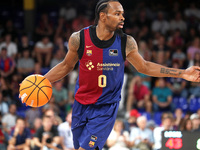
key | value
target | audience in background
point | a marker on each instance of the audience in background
(20, 136)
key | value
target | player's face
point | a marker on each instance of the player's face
(114, 17)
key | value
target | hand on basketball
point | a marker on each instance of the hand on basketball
(192, 74)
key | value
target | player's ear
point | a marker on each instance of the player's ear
(102, 16)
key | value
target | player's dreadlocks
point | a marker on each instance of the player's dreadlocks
(101, 6)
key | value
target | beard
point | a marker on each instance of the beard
(119, 31)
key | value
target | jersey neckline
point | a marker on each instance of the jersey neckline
(100, 43)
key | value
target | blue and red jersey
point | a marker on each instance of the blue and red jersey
(6, 64)
(101, 68)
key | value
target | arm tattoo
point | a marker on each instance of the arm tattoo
(130, 44)
(75, 40)
(170, 71)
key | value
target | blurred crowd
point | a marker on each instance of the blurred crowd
(166, 32)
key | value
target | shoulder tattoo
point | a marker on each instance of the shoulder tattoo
(131, 44)
(75, 40)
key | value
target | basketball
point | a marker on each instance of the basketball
(35, 90)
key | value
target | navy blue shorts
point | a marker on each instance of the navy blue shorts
(91, 124)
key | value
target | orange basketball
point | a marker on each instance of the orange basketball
(35, 90)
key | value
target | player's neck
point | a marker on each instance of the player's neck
(103, 33)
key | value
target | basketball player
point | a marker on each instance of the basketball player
(101, 51)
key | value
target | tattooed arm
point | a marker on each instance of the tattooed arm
(63, 68)
(156, 70)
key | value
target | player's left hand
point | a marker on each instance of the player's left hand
(192, 74)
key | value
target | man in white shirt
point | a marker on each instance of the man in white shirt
(11, 46)
(64, 130)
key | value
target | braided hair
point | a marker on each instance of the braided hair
(101, 6)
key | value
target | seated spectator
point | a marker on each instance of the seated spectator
(160, 24)
(195, 60)
(2, 136)
(80, 22)
(20, 136)
(59, 45)
(118, 139)
(138, 95)
(178, 23)
(162, 97)
(54, 116)
(37, 69)
(36, 125)
(178, 116)
(167, 124)
(10, 46)
(193, 48)
(187, 125)
(141, 137)
(3, 105)
(24, 44)
(47, 135)
(58, 57)
(25, 64)
(161, 46)
(65, 133)
(31, 114)
(6, 89)
(9, 119)
(131, 122)
(179, 57)
(195, 122)
(7, 65)
(176, 40)
(194, 89)
(44, 47)
(61, 94)
(44, 27)
(51, 105)
(10, 29)
(177, 85)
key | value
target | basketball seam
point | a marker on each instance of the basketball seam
(29, 86)
(42, 92)
(34, 88)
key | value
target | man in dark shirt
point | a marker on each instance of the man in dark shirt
(47, 135)
(20, 136)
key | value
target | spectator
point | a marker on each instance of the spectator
(141, 138)
(187, 125)
(44, 47)
(179, 57)
(2, 137)
(177, 85)
(25, 64)
(68, 12)
(24, 44)
(195, 122)
(162, 97)
(118, 138)
(37, 69)
(20, 136)
(7, 64)
(59, 45)
(54, 116)
(65, 133)
(160, 24)
(193, 48)
(138, 95)
(9, 29)
(132, 117)
(47, 135)
(167, 124)
(195, 60)
(36, 125)
(51, 105)
(9, 119)
(44, 27)
(61, 94)
(176, 40)
(31, 114)
(80, 22)
(3, 105)
(11, 46)
(6, 89)
(58, 57)
(178, 23)
(178, 118)
(161, 46)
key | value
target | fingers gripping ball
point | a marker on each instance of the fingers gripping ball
(35, 90)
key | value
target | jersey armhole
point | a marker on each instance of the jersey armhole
(123, 45)
(82, 44)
